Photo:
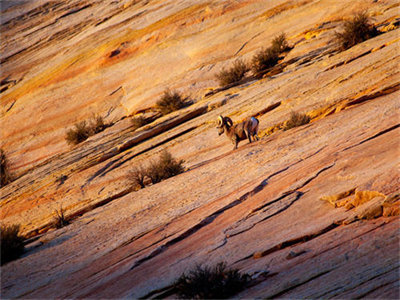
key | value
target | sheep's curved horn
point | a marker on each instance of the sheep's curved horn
(220, 121)
(228, 121)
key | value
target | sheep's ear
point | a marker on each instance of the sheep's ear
(228, 121)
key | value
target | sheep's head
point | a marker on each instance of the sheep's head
(221, 122)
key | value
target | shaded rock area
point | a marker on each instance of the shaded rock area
(310, 212)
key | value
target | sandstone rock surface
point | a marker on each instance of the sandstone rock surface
(258, 208)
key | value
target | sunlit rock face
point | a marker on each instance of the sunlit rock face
(308, 212)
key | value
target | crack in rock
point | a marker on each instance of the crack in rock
(373, 137)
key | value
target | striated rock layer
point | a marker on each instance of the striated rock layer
(311, 212)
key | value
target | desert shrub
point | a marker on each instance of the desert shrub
(157, 170)
(5, 176)
(280, 44)
(169, 166)
(137, 176)
(169, 102)
(233, 74)
(355, 31)
(84, 129)
(296, 119)
(166, 166)
(269, 57)
(264, 59)
(59, 219)
(12, 244)
(97, 124)
(138, 122)
(211, 283)
(78, 134)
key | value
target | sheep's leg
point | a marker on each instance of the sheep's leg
(249, 135)
(255, 135)
(235, 142)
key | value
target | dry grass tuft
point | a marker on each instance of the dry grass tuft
(295, 120)
(356, 30)
(60, 219)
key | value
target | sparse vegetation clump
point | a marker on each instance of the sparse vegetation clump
(169, 102)
(264, 59)
(356, 30)
(234, 74)
(78, 134)
(59, 219)
(295, 120)
(84, 129)
(5, 176)
(97, 124)
(12, 244)
(280, 44)
(138, 122)
(138, 176)
(157, 170)
(211, 283)
(269, 57)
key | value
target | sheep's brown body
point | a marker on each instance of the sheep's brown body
(238, 132)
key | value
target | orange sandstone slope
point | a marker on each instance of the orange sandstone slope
(311, 212)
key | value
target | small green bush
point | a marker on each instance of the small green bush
(12, 244)
(296, 119)
(169, 102)
(211, 283)
(157, 170)
(356, 30)
(234, 74)
(5, 176)
(59, 219)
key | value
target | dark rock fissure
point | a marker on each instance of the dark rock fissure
(208, 220)
(74, 11)
(364, 296)
(373, 137)
(287, 193)
(299, 284)
(341, 289)
(289, 243)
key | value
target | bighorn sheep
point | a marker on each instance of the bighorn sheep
(238, 132)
